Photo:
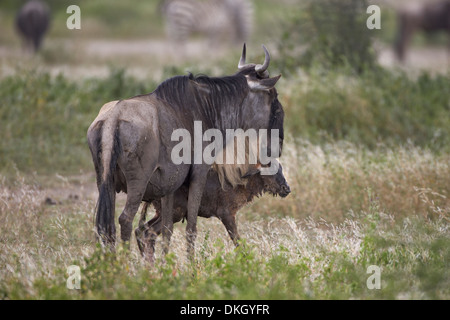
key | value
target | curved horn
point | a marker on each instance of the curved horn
(261, 68)
(242, 61)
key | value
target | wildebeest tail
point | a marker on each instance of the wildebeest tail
(108, 152)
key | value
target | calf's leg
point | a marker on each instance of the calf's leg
(147, 239)
(167, 221)
(229, 221)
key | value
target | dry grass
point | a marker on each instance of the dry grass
(349, 208)
(334, 180)
(354, 203)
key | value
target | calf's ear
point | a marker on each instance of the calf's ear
(252, 171)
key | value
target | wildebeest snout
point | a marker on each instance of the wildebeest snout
(285, 190)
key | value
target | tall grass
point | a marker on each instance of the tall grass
(282, 258)
(335, 180)
(367, 158)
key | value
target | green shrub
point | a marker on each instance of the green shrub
(379, 106)
(331, 33)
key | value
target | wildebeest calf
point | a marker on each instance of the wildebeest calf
(216, 202)
(32, 22)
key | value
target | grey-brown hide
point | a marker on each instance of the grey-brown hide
(130, 142)
(216, 202)
(429, 17)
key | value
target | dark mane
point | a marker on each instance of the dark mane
(276, 120)
(204, 97)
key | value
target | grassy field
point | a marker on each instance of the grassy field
(284, 256)
(357, 200)
(367, 157)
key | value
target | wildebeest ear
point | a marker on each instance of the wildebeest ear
(264, 84)
(252, 171)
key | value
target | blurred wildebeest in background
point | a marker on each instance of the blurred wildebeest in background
(131, 142)
(218, 20)
(216, 202)
(429, 17)
(32, 22)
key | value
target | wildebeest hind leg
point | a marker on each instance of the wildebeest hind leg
(135, 190)
(196, 187)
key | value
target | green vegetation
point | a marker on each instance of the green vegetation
(379, 201)
(44, 119)
(376, 107)
(333, 33)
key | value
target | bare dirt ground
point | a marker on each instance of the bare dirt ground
(81, 188)
(433, 59)
(142, 58)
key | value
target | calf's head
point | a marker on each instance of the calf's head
(274, 184)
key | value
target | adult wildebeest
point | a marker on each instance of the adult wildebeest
(131, 142)
(32, 22)
(216, 202)
(428, 17)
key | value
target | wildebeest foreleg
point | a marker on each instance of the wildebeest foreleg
(196, 186)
